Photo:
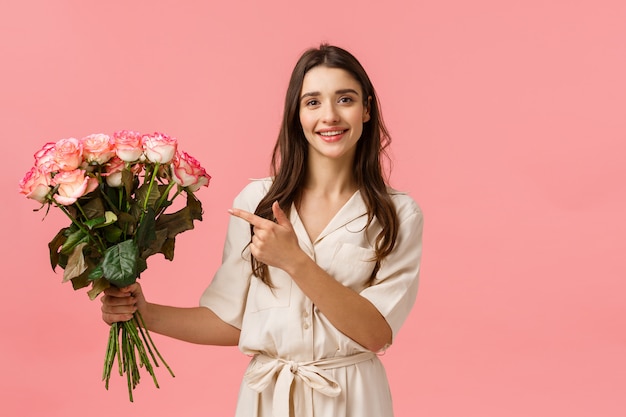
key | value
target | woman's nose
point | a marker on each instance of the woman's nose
(330, 114)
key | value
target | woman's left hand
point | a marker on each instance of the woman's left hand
(273, 243)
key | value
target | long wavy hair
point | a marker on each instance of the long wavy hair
(289, 158)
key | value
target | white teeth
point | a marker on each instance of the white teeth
(333, 133)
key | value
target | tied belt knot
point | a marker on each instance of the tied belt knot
(293, 367)
(264, 368)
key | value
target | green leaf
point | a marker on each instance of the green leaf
(182, 220)
(135, 211)
(72, 210)
(106, 219)
(127, 222)
(112, 233)
(120, 263)
(97, 287)
(142, 194)
(164, 201)
(163, 188)
(94, 208)
(168, 248)
(71, 229)
(96, 273)
(142, 265)
(146, 231)
(113, 197)
(128, 181)
(92, 223)
(109, 217)
(195, 206)
(156, 245)
(76, 264)
(72, 240)
(62, 260)
(54, 246)
(175, 223)
(80, 281)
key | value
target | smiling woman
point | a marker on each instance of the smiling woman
(321, 261)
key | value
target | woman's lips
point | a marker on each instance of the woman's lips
(331, 135)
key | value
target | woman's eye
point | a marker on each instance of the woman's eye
(312, 103)
(346, 100)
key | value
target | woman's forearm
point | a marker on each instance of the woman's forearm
(195, 325)
(351, 313)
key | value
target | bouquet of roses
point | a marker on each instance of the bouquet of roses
(115, 190)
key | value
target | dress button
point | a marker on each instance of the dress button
(305, 313)
(306, 326)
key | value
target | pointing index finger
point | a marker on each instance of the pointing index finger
(251, 218)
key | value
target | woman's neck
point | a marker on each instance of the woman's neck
(330, 178)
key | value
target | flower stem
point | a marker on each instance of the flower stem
(80, 208)
(153, 176)
(150, 342)
(127, 365)
(164, 196)
(110, 355)
(118, 350)
(131, 343)
(110, 203)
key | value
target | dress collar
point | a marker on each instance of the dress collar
(353, 209)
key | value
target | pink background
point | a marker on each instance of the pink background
(509, 130)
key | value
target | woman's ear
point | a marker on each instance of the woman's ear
(366, 110)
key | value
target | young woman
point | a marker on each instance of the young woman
(321, 261)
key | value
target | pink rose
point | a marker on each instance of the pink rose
(159, 147)
(187, 172)
(72, 186)
(44, 158)
(113, 172)
(35, 185)
(114, 168)
(68, 154)
(128, 145)
(97, 148)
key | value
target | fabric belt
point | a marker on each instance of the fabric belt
(263, 368)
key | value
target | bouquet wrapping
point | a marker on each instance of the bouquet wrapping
(116, 190)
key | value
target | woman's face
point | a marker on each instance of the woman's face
(332, 113)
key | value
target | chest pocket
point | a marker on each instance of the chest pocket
(352, 266)
(262, 297)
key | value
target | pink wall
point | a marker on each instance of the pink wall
(509, 129)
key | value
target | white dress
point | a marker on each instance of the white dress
(302, 365)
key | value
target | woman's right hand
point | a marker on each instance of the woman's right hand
(119, 304)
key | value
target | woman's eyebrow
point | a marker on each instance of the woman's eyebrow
(310, 94)
(346, 91)
(317, 93)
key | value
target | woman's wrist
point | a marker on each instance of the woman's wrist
(147, 315)
(298, 264)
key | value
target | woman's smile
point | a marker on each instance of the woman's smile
(333, 135)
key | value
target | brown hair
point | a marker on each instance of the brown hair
(289, 157)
